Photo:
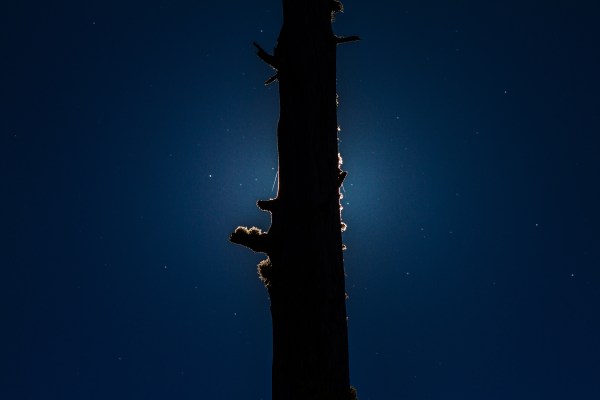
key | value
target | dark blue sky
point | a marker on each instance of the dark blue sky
(135, 136)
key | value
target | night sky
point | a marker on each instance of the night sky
(135, 136)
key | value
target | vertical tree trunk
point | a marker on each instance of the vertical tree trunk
(304, 272)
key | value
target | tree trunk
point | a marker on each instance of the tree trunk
(304, 272)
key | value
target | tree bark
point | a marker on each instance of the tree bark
(304, 271)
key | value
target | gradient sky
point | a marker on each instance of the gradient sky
(135, 136)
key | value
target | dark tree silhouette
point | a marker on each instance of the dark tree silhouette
(304, 271)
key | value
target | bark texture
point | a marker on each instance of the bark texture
(304, 271)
